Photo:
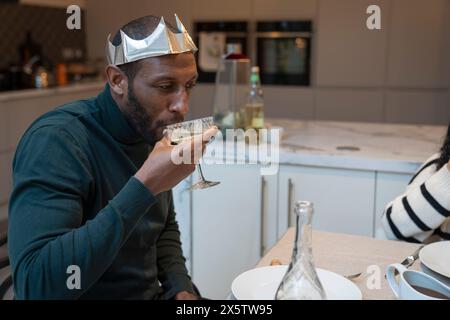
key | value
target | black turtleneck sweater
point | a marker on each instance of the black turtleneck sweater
(75, 202)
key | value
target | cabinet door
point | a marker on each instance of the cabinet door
(269, 191)
(343, 199)
(418, 36)
(226, 227)
(389, 186)
(182, 205)
(345, 46)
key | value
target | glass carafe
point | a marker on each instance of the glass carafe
(301, 281)
(231, 89)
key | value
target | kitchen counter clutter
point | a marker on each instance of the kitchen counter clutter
(350, 171)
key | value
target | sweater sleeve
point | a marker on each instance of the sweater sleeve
(423, 208)
(172, 272)
(46, 237)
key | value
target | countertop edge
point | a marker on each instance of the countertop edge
(287, 157)
(33, 93)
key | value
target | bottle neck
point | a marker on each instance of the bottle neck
(255, 85)
(303, 236)
(254, 80)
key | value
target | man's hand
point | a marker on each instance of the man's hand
(185, 295)
(159, 173)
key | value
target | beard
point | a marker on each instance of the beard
(150, 129)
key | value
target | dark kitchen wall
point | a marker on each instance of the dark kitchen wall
(47, 26)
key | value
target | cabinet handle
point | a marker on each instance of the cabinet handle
(290, 187)
(261, 240)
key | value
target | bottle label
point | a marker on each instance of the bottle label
(258, 122)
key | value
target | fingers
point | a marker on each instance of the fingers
(166, 137)
(276, 262)
(209, 134)
(192, 150)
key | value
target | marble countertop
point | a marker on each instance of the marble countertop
(33, 93)
(355, 145)
(394, 148)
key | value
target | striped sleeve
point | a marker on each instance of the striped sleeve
(423, 208)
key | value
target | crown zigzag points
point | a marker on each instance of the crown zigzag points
(161, 41)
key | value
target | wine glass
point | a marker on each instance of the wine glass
(186, 130)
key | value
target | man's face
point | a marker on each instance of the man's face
(159, 94)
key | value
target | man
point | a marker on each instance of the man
(91, 214)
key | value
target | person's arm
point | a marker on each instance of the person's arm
(52, 181)
(172, 272)
(425, 205)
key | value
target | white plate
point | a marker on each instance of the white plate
(262, 283)
(436, 257)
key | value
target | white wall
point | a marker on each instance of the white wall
(400, 73)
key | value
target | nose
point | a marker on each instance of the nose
(180, 102)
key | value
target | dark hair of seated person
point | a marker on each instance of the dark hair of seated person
(445, 151)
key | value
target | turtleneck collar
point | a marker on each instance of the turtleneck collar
(114, 120)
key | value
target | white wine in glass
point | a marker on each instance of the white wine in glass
(187, 130)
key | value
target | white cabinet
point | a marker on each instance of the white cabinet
(182, 204)
(389, 186)
(226, 227)
(229, 227)
(343, 199)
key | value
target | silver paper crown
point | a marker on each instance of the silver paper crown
(161, 41)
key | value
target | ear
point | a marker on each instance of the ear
(117, 79)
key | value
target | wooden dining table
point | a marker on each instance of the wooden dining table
(349, 254)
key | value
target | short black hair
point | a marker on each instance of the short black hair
(445, 150)
(138, 29)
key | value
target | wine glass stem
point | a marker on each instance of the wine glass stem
(199, 168)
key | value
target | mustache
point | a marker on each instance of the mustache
(165, 123)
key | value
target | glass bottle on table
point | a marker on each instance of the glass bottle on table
(301, 281)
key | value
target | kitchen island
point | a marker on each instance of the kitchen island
(350, 171)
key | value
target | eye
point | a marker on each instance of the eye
(164, 86)
(190, 86)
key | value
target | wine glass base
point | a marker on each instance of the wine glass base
(204, 185)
